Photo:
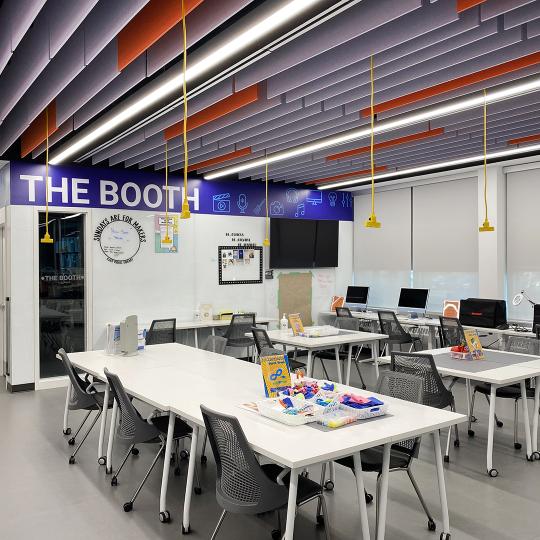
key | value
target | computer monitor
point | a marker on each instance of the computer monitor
(357, 297)
(413, 300)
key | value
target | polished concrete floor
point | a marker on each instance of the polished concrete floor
(42, 497)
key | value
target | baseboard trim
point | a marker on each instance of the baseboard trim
(21, 387)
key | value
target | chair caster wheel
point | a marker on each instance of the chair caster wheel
(470, 432)
(108, 470)
(184, 454)
(447, 459)
(165, 517)
(186, 531)
(500, 424)
(135, 451)
(204, 460)
(276, 534)
(71, 460)
(102, 460)
(197, 490)
(431, 525)
(536, 455)
(320, 520)
(67, 431)
(474, 419)
(456, 444)
(493, 473)
(114, 481)
(177, 471)
(128, 507)
(369, 498)
(445, 536)
(517, 446)
(329, 485)
(71, 441)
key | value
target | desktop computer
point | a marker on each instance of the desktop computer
(413, 302)
(357, 298)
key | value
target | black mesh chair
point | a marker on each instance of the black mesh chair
(263, 341)
(397, 335)
(435, 393)
(84, 396)
(516, 344)
(240, 325)
(243, 486)
(161, 331)
(409, 388)
(343, 312)
(215, 344)
(451, 332)
(134, 429)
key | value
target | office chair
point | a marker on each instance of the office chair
(263, 341)
(215, 344)
(240, 325)
(409, 388)
(343, 312)
(397, 335)
(243, 486)
(435, 393)
(516, 344)
(133, 429)
(84, 396)
(451, 332)
(161, 331)
(344, 323)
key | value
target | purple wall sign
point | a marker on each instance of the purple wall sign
(93, 187)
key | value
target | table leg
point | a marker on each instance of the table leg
(101, 457)
(291, 506)
(65, 427)
(535, 418)
(445, 535)
(309, 368)
(349, 360)
(189, 480)
(468, 390)
(110, 442)
(338, 364)
(491, 430)
(163, 512)
(526, 422)
(375, 356)
(383, 493)
(213, 331)
(360, 490)
(196, 334)
(432, 338)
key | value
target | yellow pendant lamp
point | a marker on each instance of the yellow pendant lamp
(185, 214)
(371, 222)
(486, 226)
(167, 239)
(47, 237)
(266, 241)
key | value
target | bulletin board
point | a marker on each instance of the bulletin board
(240, 265)
(295, 295)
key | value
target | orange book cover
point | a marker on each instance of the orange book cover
(337, 301)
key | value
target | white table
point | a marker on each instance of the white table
(500, 368)
(345, 337)
(178, 379)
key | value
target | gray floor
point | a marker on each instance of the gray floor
(41, 496)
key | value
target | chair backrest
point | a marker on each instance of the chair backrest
(451, 332)
(391, 326)
(261, 338)
(343, 312)
(423, 365)
(161, 331)
(78, 399)
(409, 388)
(270, 351)
(240, 325)
(132, 427)
(522, 344)
(346, 323)
(241, 486)
(215, 344)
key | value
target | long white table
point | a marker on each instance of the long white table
(500, 368)
(345, 337)
(178, 379)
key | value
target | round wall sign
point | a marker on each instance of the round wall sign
(120, 238)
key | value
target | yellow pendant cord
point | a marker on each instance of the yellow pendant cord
(486, 227)
(167, 239)
(266, 241)
(46, 237)
(372, 222)
(185, 214)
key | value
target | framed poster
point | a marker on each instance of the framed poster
(240, 265)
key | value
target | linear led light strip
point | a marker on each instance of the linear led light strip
(381, 127)
(266, 26)
(434, 167)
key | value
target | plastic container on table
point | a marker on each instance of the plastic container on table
(271, 408)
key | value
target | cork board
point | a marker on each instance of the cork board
(295, 295)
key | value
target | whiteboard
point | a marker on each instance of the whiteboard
(240, 265)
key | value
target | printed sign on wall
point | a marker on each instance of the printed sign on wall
(160, 233)
(120, 238)
(93, 187)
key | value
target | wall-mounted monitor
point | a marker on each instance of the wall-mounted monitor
(303, 243)
(413, 300)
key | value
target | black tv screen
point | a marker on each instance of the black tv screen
(303, 243)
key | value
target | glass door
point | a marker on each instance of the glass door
(62, 303)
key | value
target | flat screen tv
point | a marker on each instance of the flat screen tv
(303, 243)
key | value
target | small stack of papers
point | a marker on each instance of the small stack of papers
(319, 331)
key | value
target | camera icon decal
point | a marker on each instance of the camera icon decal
(222, 203)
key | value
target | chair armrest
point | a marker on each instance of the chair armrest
(155, 413)
(95, 387)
